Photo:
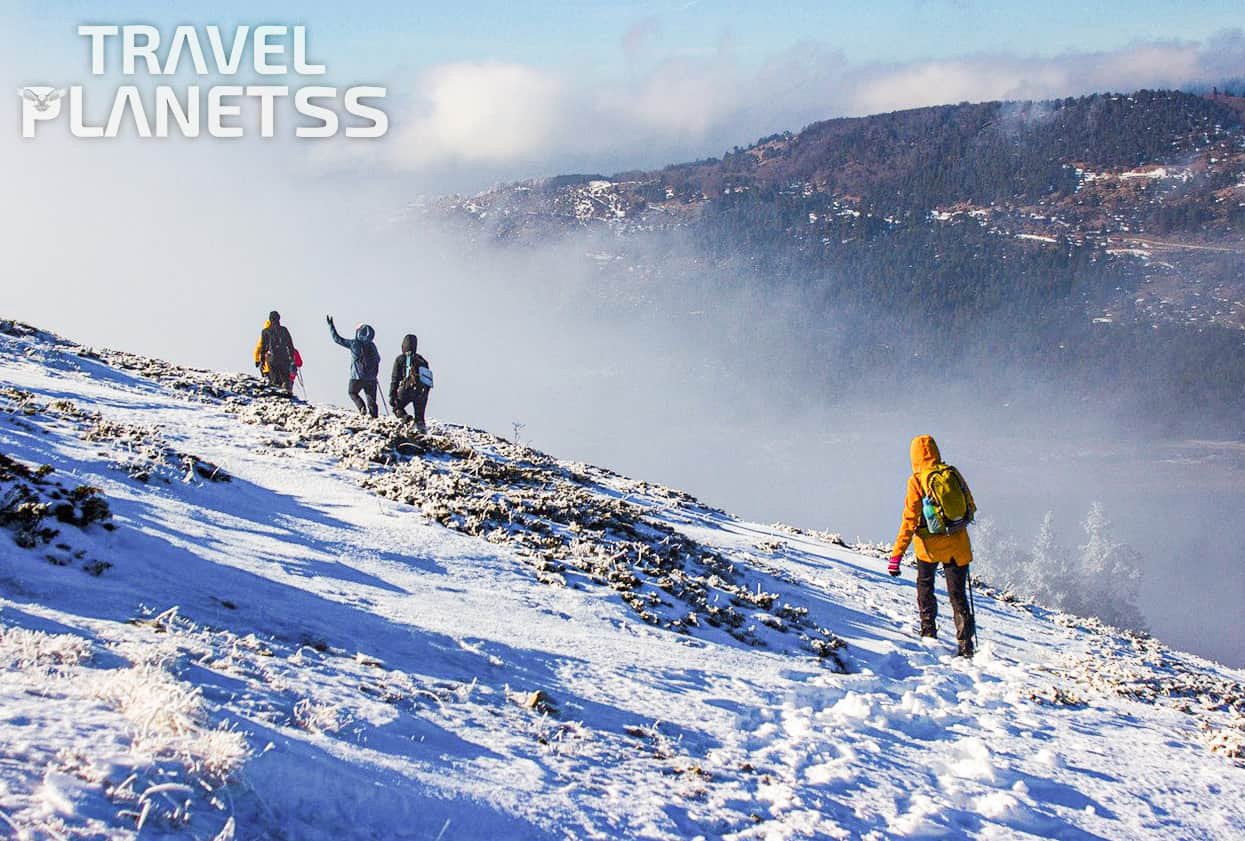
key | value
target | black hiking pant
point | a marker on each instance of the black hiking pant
(279, 375)
(416, 398)
(368, 387)
(957, 592)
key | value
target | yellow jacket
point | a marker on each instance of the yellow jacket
(934, 548)
(259, 348)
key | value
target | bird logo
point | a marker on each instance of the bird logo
(38, 104)
(42, 99)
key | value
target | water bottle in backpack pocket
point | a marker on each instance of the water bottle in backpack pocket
(933, 522)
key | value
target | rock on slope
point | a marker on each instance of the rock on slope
(224, 615)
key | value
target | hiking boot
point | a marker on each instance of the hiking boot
(965, 651)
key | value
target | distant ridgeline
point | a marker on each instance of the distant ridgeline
(1082, 234)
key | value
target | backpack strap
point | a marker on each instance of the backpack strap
(968, 494)
(410, 376)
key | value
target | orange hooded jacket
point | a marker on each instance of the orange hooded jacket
(933, 548)
(259, 349)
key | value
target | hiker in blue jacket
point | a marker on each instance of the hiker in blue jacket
(364, 365)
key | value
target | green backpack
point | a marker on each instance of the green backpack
(948, 504)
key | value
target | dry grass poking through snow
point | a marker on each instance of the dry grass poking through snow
(33, 652)
(170, 721)
(150, 754)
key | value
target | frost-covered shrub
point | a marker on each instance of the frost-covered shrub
(997, 557)
(22, 650)
(319, 717)
(1110, 574)
(35, 502)
(171, 720)
(1101, 578)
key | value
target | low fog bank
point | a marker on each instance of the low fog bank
(733, 393)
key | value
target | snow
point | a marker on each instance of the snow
(298, 653)
(1157, 172)
(1143, 253)
(597, 200)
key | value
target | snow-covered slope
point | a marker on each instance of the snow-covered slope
(223, 615)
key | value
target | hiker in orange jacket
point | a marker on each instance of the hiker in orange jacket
(954, 551)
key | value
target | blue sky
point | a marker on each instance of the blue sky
(493, 90)
(377, 37)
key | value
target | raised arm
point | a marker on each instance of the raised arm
(333, 332)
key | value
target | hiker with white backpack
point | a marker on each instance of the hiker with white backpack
(937, 510)
(410, 381)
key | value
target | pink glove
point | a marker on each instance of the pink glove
(893, 566)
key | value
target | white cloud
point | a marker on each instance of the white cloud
(928, 84)
(520, 120)
(1162, 65)
(494, 114)
(681, 97)
(988, 77)
(487, 113)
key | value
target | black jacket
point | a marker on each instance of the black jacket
(275, 339)
(406, 365)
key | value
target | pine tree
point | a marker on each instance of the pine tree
(1102, 579)
(1110, 574)
(1051, 578)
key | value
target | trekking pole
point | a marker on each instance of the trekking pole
(383, 402)
(972, 610)
(302, 384)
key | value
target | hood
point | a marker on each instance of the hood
(274, 317)
(410, 343)
(924, 453)
(364, 332)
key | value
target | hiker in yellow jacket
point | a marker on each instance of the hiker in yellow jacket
(275, 354)
(953, 550)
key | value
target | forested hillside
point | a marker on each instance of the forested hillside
(1077, 235)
